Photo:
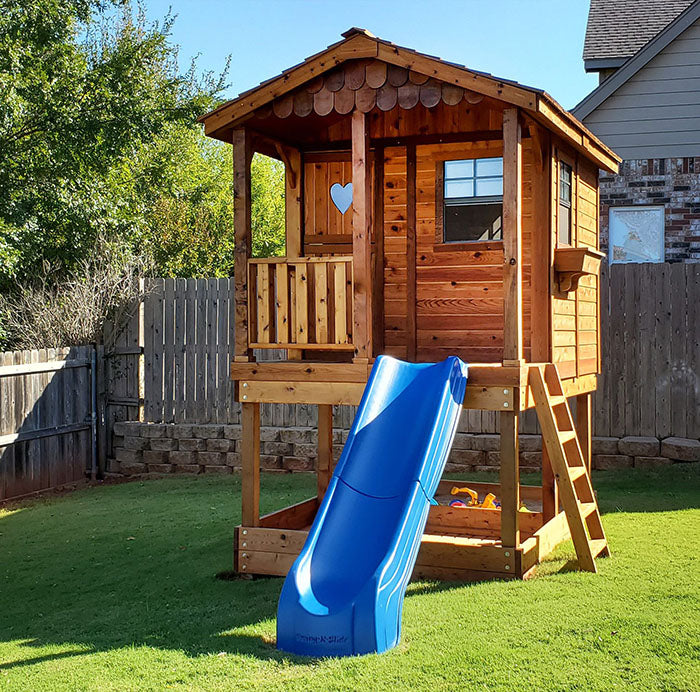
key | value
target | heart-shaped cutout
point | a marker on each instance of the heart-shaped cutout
(341, 195)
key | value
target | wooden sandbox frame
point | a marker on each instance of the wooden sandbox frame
(458, 544)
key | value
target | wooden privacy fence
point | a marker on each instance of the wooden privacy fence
(650, 334)
(174, 356)
(48, 420)
(650, 350)
(170, 364)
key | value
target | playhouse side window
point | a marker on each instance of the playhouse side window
(472, 200)
(565, 172)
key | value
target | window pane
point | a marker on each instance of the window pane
(637, 234)
(472, 222)
(489, 187)
(459, 188)
(565, 182)
(459, 169)
(489, 167)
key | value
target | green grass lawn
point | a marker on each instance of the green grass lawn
(114, 588)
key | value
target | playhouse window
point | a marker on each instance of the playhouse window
(564, 203)
(473, 200)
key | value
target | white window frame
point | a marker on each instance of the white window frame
(655, 254)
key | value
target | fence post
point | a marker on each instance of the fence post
(141, 365)
(101, 431)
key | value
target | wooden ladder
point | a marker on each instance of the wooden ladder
(562, 444)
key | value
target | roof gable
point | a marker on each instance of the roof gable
(360, 44)
(638, 61)
(617, 29)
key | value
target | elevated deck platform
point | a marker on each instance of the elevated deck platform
(491, 386)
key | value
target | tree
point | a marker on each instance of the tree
(84, 88)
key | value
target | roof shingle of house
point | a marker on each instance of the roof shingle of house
(619, 28)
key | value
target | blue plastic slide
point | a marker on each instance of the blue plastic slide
(344, 593)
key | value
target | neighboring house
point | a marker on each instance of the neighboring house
(647, 109)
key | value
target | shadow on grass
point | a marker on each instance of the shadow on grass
(136, 565)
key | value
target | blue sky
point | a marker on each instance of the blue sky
(535, 42)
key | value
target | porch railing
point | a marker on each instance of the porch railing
(305, 302)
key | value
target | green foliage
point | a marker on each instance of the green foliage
(267, 206)
(98, 136)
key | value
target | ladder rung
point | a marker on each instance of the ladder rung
(556, 400)
(567, 435)
(575, 472)
(587, 508)
(598, 545)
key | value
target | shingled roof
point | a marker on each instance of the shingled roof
(358, 44)
(617, 29)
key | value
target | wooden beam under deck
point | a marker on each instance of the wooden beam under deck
(491, 386)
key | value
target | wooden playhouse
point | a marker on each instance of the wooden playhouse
(471, 228)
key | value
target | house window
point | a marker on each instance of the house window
(473, 200)
(636, 234)
(564, 203)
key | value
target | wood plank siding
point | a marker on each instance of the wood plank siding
(575, 314)
(656, 112)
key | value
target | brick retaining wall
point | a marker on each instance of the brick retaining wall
(212, 448)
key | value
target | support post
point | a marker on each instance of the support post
(325, 447)
(293, 213)
(584, 426)
(378, 254)
(361, 238)
(293, 182)
(411, 317)
(510, 478)
(512, 238)
(242, 156)
(250, 464)
(542, 252)
(550, 491)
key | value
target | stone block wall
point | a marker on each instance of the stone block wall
(673, 183)
(183, 448)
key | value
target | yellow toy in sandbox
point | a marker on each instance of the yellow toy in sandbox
(489, 501)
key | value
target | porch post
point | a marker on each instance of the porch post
(250, 464)
(512, 238)
(242, 156)
(361, 238)
(513, 329)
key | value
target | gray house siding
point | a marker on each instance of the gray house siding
(656, 113)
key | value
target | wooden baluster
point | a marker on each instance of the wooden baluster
(252, 303)
(282, 302)
(302, 303)
(292, 312)
(263, 290)
(339, 303)
(321, 302)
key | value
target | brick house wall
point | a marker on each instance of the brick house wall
(673, 183)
